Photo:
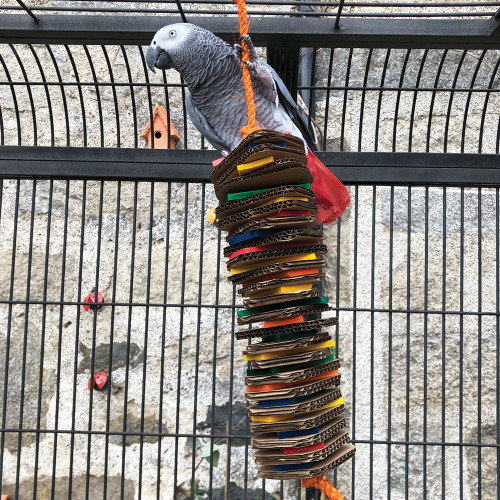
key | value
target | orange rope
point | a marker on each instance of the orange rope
(323, 484)
(251, 126)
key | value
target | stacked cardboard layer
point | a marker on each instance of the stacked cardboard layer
(276, 253)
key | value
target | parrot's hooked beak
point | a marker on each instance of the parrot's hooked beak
(159, 58)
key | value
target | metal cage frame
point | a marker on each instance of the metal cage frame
(344, 25)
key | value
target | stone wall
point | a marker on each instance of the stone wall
(406, 377)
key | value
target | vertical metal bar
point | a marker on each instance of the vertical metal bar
(9, 329)
(129, 331)
(230, 396)
(25, 338)
(163, 331)
(497, 287)
(214, 362)
(337, 307)
(2, 128)
(42, 337)
(327, 102)
(372, 331)
(132, 95)
(354, 332)
(14, 100)
(115, 98)
(77, 337)
(59, 343)
(380, 94)
(181, 11)
(339, 14)
(433, 99)
(184, 115)
(291, 70)
(63, 93)
(80, 93)
(346, 91)
(363, 94)
(167, 106)
(95, 311)
(98, 93)
(450, 103)
(146, 334)
(111, 337)
(461, 349)
(426, 304)
(497, 149)
(443, 351)
(398, 99)
(30, 95)
(389, 361)
(469, 96)
(181, 332)
(485, 105)
(408, 342)
(198, 332)
(415, 96)
(479, 339)
(47, 94)
(150, 102)
(312, 95)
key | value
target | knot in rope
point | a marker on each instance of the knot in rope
(323, 484)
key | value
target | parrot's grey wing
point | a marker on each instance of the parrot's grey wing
(200, 122)
(296, 114)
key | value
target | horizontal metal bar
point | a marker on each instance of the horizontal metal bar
(423, 169)
(252, 12)
(298, 32)
(237, 436)
(239, 306)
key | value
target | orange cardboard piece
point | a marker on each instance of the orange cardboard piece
(161, 127)
(284, 321)
(286, 274)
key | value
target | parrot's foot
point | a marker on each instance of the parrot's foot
(252, 53)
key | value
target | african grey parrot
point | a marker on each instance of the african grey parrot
(216, 104)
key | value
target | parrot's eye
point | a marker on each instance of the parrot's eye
(172, 33)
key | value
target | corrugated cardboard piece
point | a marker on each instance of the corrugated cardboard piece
(274, 252)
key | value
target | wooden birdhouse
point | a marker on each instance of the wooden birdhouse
(161, 129)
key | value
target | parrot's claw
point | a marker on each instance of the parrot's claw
(249, 65)
(250, 47)
(238, 49)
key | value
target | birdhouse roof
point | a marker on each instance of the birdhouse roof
(161, 120)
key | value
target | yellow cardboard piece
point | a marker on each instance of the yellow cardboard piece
(247, 167)
(286, 258)
(280, 199)
(283, 289)
(277, 418)
(279, 354)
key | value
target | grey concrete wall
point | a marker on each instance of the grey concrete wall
(403, 367)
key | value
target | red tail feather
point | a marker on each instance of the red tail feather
(330, 193)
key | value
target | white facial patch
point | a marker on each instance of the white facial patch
(172, 37)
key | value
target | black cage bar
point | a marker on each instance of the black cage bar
(406, 112)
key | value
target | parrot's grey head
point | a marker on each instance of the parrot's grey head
(171, 45)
